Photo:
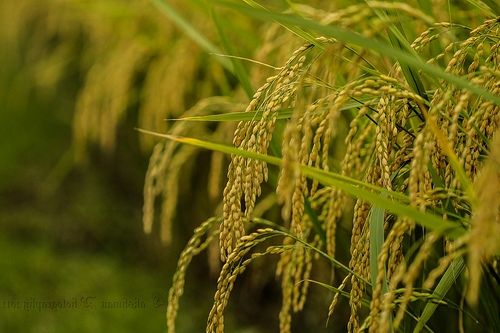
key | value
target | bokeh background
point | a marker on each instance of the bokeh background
(73, 254)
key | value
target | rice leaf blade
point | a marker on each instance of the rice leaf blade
(447, 280)
(192, 32)
(255, 115)
(399, 41)
(351, 186)
(376, 45)
(487, 10)
(239, 70)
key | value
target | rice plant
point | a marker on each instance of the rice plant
(127, 53)
(379, 117)
(366, 127)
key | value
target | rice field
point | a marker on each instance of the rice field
(336, 164)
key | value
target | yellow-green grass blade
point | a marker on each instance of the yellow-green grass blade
(488, 301)
(399, 41)
(192, 32)
(393, 202)
(364, 302)
(267, 223)
(255, 115)
(314, 219)
(447, 280)
(292, 28)
(323, 254)
(278, 162)
(484, 7)
(239, 70)
(283, 232)
(236, 116)
(354, 38)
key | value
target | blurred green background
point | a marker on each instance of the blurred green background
(73, 255)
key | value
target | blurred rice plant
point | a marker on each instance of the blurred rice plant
(130, 56)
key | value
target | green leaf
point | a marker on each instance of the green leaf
(191, 31)
(488, 301)
(279, 230)
(364, 301)
(314, 219)
(324, 254)
(236, 116)
(399, 41)
(369, 43)
(239, 70)
(290, 27)
(484, 7)
(447, 280)
(257, 115)
(394, 202)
